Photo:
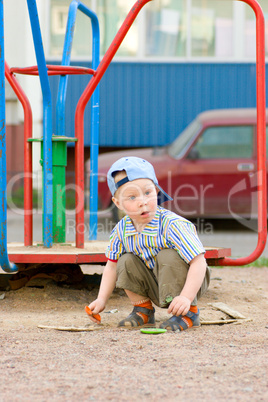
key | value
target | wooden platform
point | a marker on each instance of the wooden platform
(93, 253)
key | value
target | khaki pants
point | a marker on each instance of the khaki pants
(167, 279)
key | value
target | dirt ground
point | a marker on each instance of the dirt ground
(212, 363)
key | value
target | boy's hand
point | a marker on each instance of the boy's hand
(180, 305)
(97, 306)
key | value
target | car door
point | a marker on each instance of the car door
(214, 177)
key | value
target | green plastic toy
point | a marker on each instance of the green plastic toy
(153, 331)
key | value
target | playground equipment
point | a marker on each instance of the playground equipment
(54, 249)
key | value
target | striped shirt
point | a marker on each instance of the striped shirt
(166, 230)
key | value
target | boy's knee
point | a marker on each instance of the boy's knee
(170, 257)
(130, 264)
(126, 260)
(166, 255)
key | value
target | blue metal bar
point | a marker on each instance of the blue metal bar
(4, 261)
(94, 138)
(66, 57)
(47, 125)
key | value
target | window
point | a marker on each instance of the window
(82, 34)
(164, 29)
(111, 14)
(179, 146)
(212, 28)
(250, 29)
(228, 142)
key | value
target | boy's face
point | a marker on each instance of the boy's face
(138, 199)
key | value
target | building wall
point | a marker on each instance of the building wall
(15, 156)
(149, 104)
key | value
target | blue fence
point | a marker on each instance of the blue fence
(149, 104)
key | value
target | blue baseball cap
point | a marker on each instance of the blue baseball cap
(135, 168)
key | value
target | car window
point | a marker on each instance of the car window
(230, 142)
(177, 147)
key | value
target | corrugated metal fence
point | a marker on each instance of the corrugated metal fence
(149, 104)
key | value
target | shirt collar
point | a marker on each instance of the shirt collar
(151, 229)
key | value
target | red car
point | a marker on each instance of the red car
(209, 170)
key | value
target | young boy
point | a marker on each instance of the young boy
(154, 254)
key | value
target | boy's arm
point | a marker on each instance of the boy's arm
(106, 288)
(197, 270)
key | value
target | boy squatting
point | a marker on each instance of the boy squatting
(154, 254)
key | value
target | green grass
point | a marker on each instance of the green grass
(17, 198)
(259, 263)
(70, 199)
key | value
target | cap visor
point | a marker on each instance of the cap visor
(163, 196)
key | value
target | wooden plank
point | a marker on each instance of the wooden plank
(227, 310)
(70, 329)
(224, 321)
(217, 322)
(217, 252)
(91, 247)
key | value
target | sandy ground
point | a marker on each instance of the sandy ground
(212, 363)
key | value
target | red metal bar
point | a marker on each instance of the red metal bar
(28, 182)
(261, 140)
(53, 70)
(213, 257)
(79, 117)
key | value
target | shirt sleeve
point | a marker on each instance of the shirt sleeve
(115, 248)
(184, 239)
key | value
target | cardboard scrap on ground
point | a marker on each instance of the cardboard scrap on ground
(70, 329)
(235, 316)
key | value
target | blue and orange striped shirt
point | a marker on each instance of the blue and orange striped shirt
(166, 230)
